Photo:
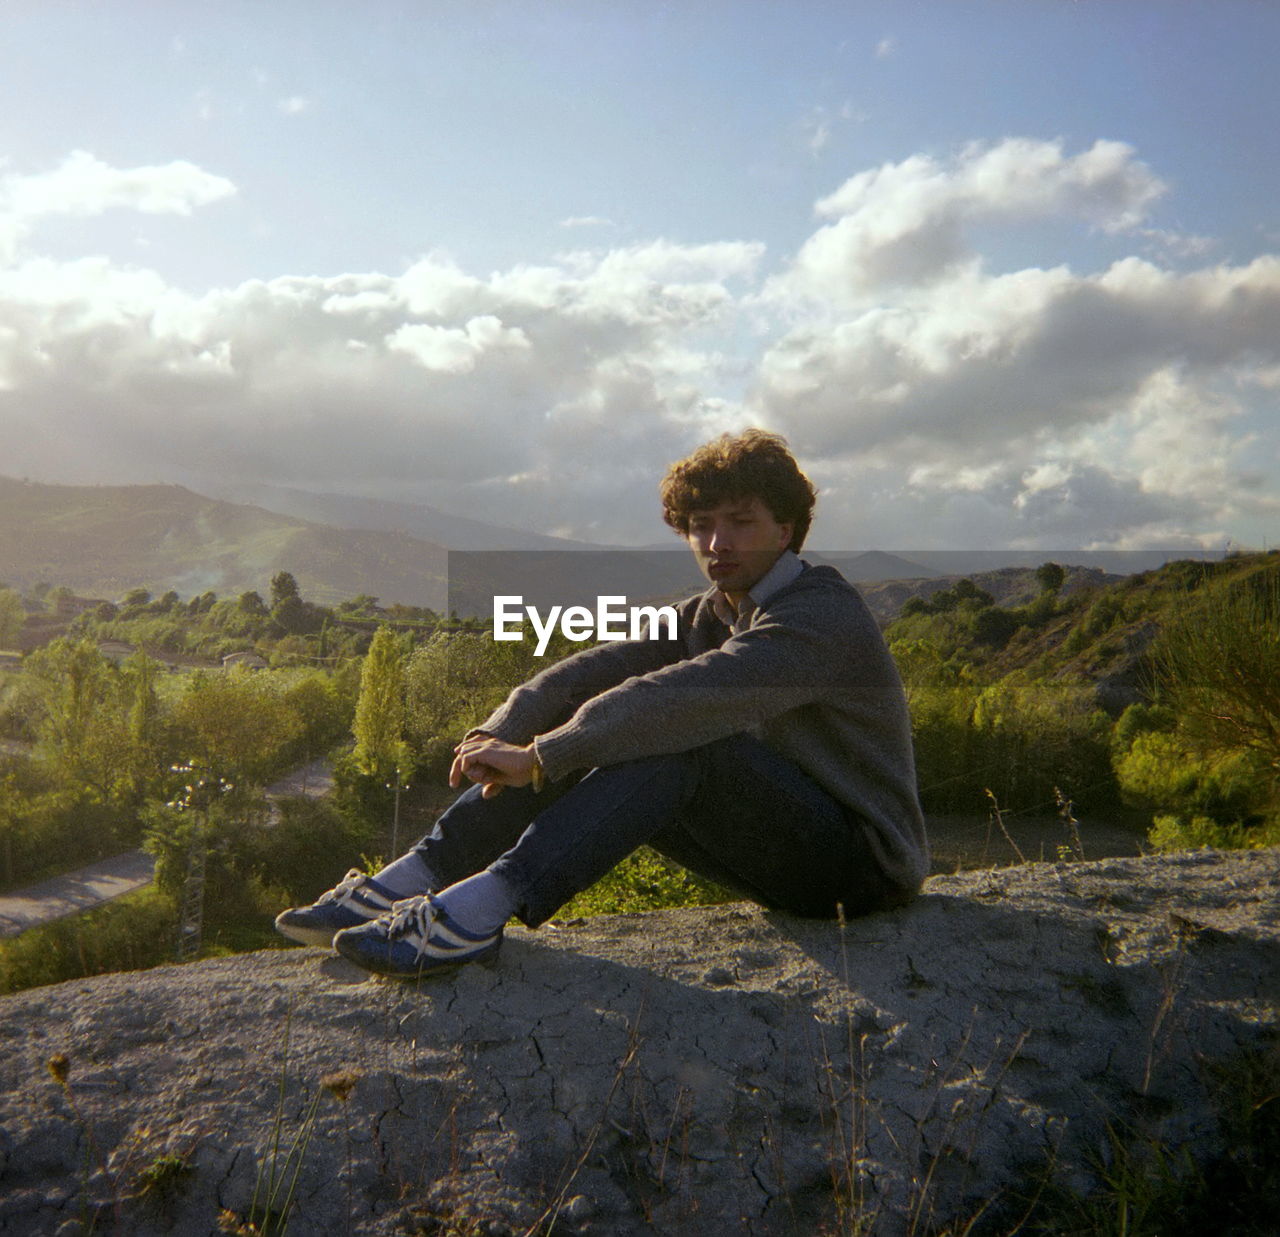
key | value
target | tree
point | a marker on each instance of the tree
(994, 626)
(235, 726)
(1050, 577)
(13, 615)
(59, 599)
(381, 752)
(1208, 756)
(283, 588)
(145, 723)
(968, 592)
(324, 716)
(1218, 667)
(379, 720)
(81, 702)
(291, 614)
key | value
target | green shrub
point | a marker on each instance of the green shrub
(994, 626)
(644, 881)
(1160, 772)
(1217, 665)
(302, 854)
(1021, 742)
(1174, 832)
(131, 933)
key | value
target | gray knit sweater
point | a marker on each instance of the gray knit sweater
(803, 667)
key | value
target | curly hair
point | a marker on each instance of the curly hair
(753, 464)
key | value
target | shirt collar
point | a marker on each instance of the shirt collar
(782, 573)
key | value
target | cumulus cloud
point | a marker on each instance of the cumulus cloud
(906, 223)
(503, 393)
(937, 403)
(1126, 377)
(85, 185)
(455, 350)
(1099, 407)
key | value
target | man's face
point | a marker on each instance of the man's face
(736, 543)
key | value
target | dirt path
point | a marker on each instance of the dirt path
(73, 892)
(87, 887)
(311, 781)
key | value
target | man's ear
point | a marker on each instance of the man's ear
(786, 534)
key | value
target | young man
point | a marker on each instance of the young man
(767, 748)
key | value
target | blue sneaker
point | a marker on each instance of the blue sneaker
(354, 900)
(417, 938)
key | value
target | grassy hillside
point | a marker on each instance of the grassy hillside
(101, 541)
(1095, 626)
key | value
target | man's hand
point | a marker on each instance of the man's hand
(492, 763)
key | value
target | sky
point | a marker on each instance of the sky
(1005, 274)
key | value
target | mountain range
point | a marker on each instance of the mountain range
(102, 540)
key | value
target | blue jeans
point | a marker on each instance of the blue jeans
(734, 811)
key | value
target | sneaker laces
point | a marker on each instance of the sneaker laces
(409, 915)
(344, 888)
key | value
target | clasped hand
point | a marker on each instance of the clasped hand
(492, 763)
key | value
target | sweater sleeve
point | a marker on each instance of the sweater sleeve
(555, 694)
(783, 661)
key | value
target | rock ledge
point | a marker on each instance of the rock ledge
(713, 1070)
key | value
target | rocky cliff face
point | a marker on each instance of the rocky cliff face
(721, 1070)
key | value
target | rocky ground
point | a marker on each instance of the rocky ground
(717, 1070)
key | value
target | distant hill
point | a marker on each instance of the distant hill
(101, 541)
(872, 565)
(457, 532)
(958, 563)
(1008, 586)
(1097, 631)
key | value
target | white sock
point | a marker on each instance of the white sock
(481, 903)
(407, 876)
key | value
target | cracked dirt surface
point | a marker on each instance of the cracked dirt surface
(715, 1070)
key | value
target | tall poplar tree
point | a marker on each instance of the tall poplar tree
(379, 721)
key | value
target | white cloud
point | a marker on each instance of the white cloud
(1176, 244)
(576, 379)
(906, 223)
(587, 221)
(453, 350)
(937, 402)
(85, 185)
(821, 124)
(294, 105)
(816, 131)
(1034, 404)
(885, 48)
